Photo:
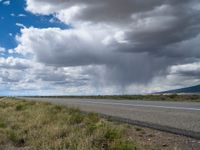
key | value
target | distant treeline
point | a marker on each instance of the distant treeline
(156, 97)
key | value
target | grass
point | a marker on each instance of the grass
(153, 97)
(37, 125)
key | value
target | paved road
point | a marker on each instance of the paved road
(178, 117)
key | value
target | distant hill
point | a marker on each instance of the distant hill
(192, 89)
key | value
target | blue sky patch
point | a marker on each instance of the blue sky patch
(13, 16)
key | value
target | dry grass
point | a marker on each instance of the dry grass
(43, 126)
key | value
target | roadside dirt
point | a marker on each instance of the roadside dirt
(162, 140)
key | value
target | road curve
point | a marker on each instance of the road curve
(176, 117)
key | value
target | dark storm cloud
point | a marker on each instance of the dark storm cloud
(133, 41)
(104, 10)
(194, 73)
(150, 26)
(59, 77)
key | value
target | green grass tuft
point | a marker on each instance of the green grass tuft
(93, 117)
(15, 138)
(112, 134)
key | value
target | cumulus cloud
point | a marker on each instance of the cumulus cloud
(191, 70)
(61, 47)
(15, 63)
(117, 45)
(28, 77)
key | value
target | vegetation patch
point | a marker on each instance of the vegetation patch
(150, 97)
(19, 107)
(123, 145)
(2, 124)
(112, 134)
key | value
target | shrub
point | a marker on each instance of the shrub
(76, 118)
(91, 128)
(74, 110)
(93, 117)
(19, 107)
(112, 134)
(14, 137)
(55, 109)
(138, 129)
(173, 96)
(2, 124)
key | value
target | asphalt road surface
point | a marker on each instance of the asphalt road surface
(176, 117)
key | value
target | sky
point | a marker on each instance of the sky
(92, 47)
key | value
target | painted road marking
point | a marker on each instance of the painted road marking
(140, 105)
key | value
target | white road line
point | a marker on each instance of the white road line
(140, 105)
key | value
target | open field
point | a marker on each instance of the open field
(39, 125)
(158, 97)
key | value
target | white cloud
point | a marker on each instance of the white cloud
(12, 14)
(18, 15)
(54, 42)
(20, 25)
(14, 63)
(186, 68)
(21, 15)
(67, 15)
(7, 2)
(2, 50)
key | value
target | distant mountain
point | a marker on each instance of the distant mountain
(192, 89)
